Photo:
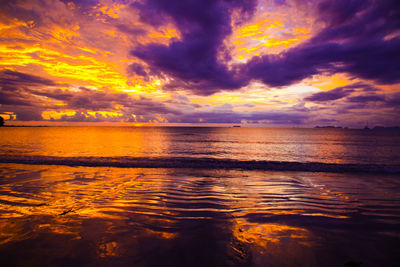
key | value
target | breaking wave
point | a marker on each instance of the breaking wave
(199, 163)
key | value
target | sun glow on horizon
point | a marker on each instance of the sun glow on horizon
(109, 60)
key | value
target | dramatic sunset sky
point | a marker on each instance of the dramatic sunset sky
(269, 62)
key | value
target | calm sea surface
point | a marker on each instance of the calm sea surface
(299, 145)
(109, 196)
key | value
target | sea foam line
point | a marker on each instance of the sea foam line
(198, 163)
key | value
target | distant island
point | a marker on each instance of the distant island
(365, 128)
(389, 128)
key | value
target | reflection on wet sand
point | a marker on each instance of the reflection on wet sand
(273, 244)
(58, 215)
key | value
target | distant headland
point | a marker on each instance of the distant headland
(374, 128)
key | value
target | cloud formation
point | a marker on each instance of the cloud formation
(360, 38)
(357, 93)
(286, 62)
(194, 62)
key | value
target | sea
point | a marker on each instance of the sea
(199, 196)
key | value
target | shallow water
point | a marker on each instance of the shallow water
(338, 146)
(107, 196)
(105, 216)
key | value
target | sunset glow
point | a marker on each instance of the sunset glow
(273, 63)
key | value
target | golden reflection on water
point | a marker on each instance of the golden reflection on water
(109, 249)
(300, 145)
(263, 235)
(62, 196)
(272, 244)
(86, 141)
(259, 216)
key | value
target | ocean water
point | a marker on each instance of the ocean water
(107, 196)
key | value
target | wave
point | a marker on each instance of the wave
(198, 163)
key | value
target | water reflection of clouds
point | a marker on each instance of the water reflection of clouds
(271, 240)
(241, 216)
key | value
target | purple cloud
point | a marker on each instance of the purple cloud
(193, 61)
(367, 98)
(97, 100)
(340, 11)
(377, 60)
(137, 69)
(337, 93)
(15, 78)
(238, 117)
(23, 94)
(356, 41)
(359, 39)
(14, 87)
(358, 94)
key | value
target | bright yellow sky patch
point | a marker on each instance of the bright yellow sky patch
(329, 82)
(265, 35)
(66, 58)
(51, 114)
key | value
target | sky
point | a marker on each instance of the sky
(285, 63)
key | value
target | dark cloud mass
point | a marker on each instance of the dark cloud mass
(357, 40)
(27, 96)
(358, 96)
(14, 87)
(287, 117)
(83, 51)
(193, 60)
(341, 92)
(360, 38)
(25, 104)
(13, 78)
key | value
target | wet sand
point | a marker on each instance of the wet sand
(105, 216)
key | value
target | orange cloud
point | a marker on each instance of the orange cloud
(329, 82)
(269, 33)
